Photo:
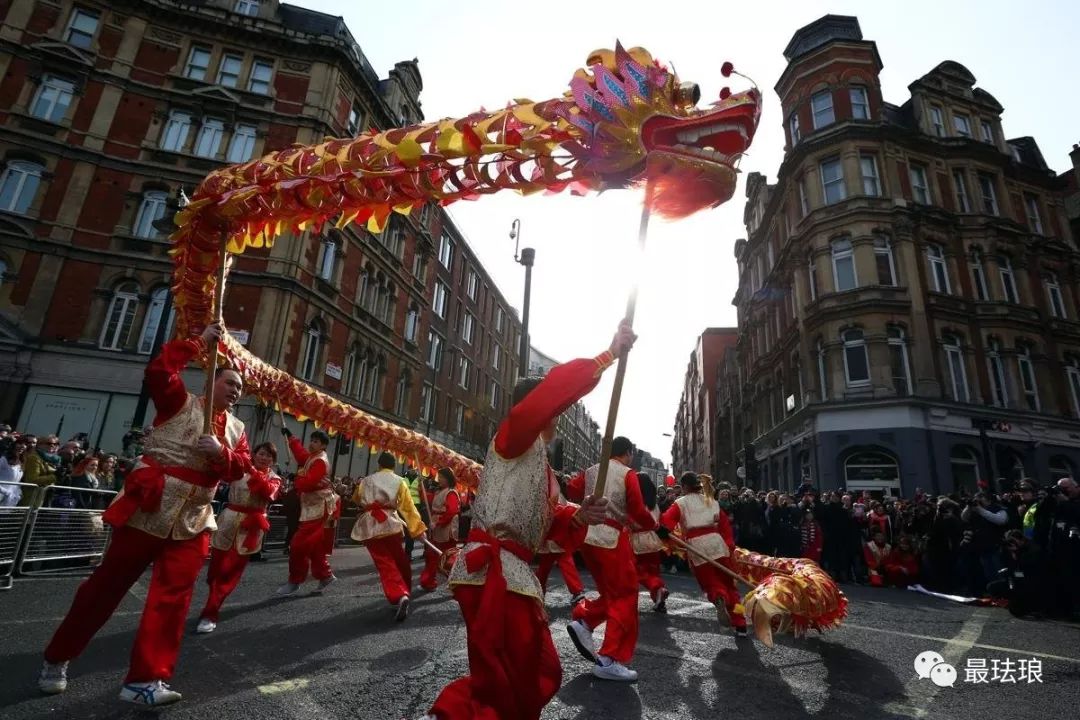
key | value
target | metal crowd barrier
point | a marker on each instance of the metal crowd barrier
(279, 530)
(66, 532)
(13, 520)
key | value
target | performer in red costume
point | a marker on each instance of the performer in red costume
(610, 559)
(320, 509)
(874, 553)
(514, 669)
(163, 516)
(240, 529)
(647, 549)
(444, 506)
(708, 531)
(382, 497)
(552, 554)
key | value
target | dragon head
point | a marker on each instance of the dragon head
(640, 124)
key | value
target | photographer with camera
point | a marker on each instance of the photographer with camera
(1057, 529)
(985, 522)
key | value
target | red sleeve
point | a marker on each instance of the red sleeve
(575, 488)
(724, 526)
(163, 380)
(871, 561)
(670, 518)
(263, 485)
(234, 463)
(563, 531)
(299, 452)
(563, 386)
(452, 508)
(313, 479)
(635, 504)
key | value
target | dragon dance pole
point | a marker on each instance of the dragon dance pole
(620, 371)
(718, 566)
(212, 353)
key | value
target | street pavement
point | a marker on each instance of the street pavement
(341, 655)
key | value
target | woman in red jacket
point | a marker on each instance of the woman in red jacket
(902, 564)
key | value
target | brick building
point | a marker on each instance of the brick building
(909, 295)
(692, 445)
(107, 111)
(578, 444)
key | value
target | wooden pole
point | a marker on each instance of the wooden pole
(732, 573)
(212, 353)
(620, 370)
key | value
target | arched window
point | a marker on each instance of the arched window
(843, 259)
(18, 185)
(153, 320)
(151, 209)
(964, 463)
(954, 356)
(120, 317)
(312, 350)
(999, 389)
(348, 375)
(978, 275)
(401, 394)
(939, 268)
(327, 260)
(1028, 384)
(872, 470)
(373, 381)
(1008, 279)
(856, 364)
(1061, 467)
(412, 322)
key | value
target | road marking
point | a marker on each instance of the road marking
(919, 692)
(283, 686)
(138, 591)
(981, 646)
(692, 606)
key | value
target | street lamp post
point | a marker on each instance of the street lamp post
(526, 258)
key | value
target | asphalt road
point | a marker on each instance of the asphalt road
(342, 656)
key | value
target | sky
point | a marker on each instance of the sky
(474, 55)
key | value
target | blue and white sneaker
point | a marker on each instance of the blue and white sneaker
(53, 678)
(152, 694)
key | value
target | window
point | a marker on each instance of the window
(961, 125)
(464, 366)
(920, 188)
(960, 186)
(468, 327)
(1072, 372)
(439, 302)
(898, 361)
(446, 251)
(412, 323)
(229, 70)
(860, 105)
(856, 365)
(957, 374)
(823, 110)
(427, 403)
(242, 144)
(247, 7)
(151, 209)
(871, 185)
(120, 317)
(939, 268)
(999, 391)
(208, 141)
(812, 275)
(153, 321)
(843, 261)
(373, 383)
(1053, 293)
(793, 126)
(198, 63)
(81, 29)
(311, 352)
(964, 464)
(435, 344)
(459, 419)
(53, 99)
(886, 269)
(419, 266)
(804, 204)
(832, 181)
(473, 283)
(176, 131)
(393, 237)
(348, 376)
(493, 394)
(328, 259)
(1027, 378)
(496, 354)
(978, 276)
(989, 196)
(1031, 204)
(987, 132)
(356, 119)
(1008, 280)
(261, 72)
(937, 121)
(823, 374)
(499, 317)
(401, 396)
(19, 185)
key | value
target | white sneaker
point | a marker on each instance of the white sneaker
(581, 636)
(402, 611)
(287, 589)
(206, 625)
(326, 582)
(612, 670)
(660, 600)
(53, 678)
(149, 693)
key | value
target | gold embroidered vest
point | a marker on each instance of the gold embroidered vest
(380, 488)
(446, 533)
(605, 536)
(647, 541)
(229, 534)
(695, 513)
(320, 504)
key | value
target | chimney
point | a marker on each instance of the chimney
(1075, 155)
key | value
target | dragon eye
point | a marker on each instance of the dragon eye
(687, 95)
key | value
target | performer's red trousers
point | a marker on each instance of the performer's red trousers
(226, 567)
(514, 682)
(718, 585)
(311, 546)
(429, 578)
(157, 642)
(565, 561)
(648, 572)
(615, 575)
(395, 572)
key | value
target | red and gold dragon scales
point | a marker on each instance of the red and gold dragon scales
(625, 121)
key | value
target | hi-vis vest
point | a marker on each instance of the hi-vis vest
(606, 536)
(185, 507)
(694, 513)
(319, 504)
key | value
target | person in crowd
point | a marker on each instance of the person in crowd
(901, 566)
(874, 553)
(749, 522)
(772, 513)
(290, 508)
(40, 468)
(11, 470)
(107, 471)
(788, 528)
(1023, 580)
(443, 507)
(723, 499)
(811, 539)
(320, 509)
(879, 520)
(1061, 539)
(465, 513)
(943, 546)
(804, 487)
(648, 548)
(833, 528)
(84, 475)
(985, 522)
(416, 484)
